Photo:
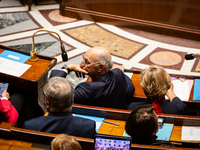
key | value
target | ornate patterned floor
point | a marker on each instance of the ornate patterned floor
(131, 48)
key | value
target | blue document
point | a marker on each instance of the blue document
(98, 120)
(126, 134)
(165, 132)
(15, 56)
(196, 94)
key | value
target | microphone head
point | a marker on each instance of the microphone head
(189, 56)
(64, 57)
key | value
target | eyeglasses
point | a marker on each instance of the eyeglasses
(86, 62)
(179, 78)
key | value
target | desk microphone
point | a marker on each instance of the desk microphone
(33, 52)
(64, 54)
(191, 56)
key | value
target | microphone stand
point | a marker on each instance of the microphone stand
(33, 52)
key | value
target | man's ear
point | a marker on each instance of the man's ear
(154, 133)
(47, 104)
(101, 67)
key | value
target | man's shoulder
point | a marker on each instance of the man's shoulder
(34, 122)
(83, 120)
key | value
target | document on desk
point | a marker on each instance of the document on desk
(15, 56)
(164, 133)
(182, 89)
(129, 74)
(98, 120)
(12, 67)
(196, 95)
(190, 133)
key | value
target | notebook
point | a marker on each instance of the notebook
(111, 142)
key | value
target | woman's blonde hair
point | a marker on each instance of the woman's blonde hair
(155, 82)
(65, 142)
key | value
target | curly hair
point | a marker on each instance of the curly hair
(155, 82)
(65, 142)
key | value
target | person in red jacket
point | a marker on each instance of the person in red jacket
(8, 113)
(14, 109)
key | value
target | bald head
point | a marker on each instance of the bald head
(99, 51)
(100, 55)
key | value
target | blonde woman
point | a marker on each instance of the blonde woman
(156, 83)
(65, 142)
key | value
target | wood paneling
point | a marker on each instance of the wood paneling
(176, 17)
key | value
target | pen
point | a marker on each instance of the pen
(110, 122)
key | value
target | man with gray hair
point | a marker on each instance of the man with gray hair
(110, 87)
(59, 97)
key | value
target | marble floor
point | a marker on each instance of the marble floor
(131, 48)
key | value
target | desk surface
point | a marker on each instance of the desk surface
(107, 128)
(38, 68)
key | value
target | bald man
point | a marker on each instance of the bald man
(110, 87)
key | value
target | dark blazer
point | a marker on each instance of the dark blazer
(63, 123)
(111, 89)
(175, 107)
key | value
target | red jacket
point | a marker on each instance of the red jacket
(8, 113)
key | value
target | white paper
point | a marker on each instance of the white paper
(98, 124)
(190, 133)
(181, 89)
(12, 67)
(129, 74)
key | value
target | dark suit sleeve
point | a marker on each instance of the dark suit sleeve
(82, 93)
(130, 87)
(58, 73)
(179, 106)
(89, 129)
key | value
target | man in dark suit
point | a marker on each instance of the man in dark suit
(110, 87)
(59, 96)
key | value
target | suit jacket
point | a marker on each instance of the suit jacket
(153, 141)
(111, 89)
(8, 113)
(63, 123)
(174, 107)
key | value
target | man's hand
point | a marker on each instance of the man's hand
(78, 70)
(118, 66)
(170, 92)
(5, 94)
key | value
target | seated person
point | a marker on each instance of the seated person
(59, 96)
(142, 125)
(109, 87)
(65, 142)
(14, 109)
(156, 83)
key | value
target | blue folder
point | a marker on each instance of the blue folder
(98, 120)
(15, 56)
(196, 94)
(165, 132)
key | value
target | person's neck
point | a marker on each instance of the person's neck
(53, 110)
(100, 74)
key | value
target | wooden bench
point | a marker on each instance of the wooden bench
(42, 140)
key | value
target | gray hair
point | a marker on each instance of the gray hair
(60, 93)
(106, 60)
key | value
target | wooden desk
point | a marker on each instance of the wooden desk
(32, 81)
(119, 116)
(26, 137)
